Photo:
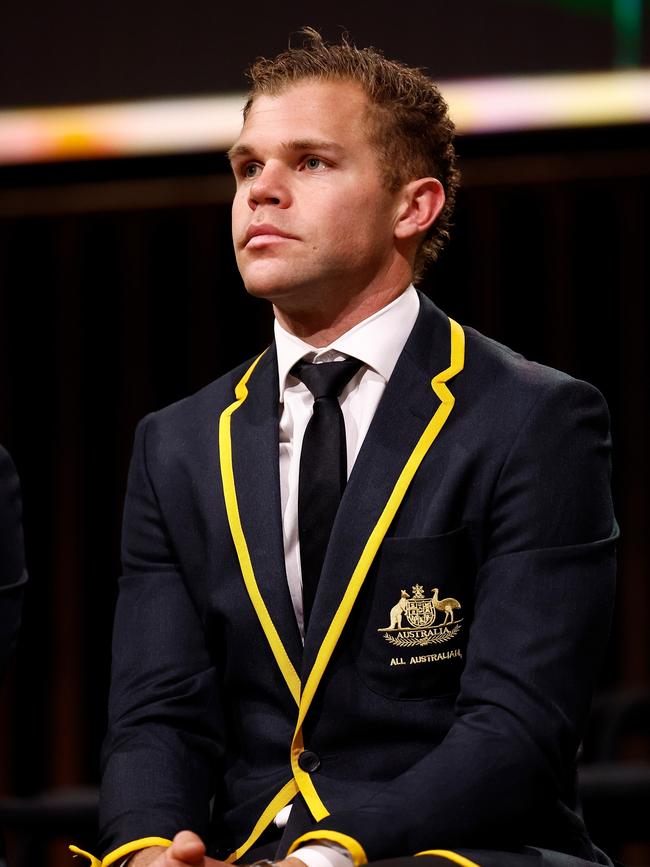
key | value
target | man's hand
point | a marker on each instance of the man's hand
(188, 850)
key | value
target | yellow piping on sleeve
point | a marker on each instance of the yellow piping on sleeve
(353, 846)
(122, 851)
(450, 856)
(77, 852)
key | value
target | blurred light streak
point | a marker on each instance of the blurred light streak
(212, 123)
(119, 129)
(549, 101)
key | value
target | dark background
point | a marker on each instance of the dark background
(72, 51)
(119, 294)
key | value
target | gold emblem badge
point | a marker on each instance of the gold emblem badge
(421, 613)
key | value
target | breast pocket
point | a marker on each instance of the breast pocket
(411, 630)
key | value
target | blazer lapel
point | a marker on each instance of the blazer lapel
(255, 460)
(406, 408)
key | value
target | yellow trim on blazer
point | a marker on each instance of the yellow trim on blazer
(304, 698)
(450, 856)
(122, 851)
(284, 796)
(234, 520)
(353, 846)
(305, 783)
(76, 851)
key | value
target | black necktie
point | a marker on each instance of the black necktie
(323, 466)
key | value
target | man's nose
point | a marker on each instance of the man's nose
(269, 187)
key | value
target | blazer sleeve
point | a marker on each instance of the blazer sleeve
(543, 602)
(13, 575)
(163, 743)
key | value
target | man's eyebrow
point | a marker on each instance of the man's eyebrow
(311, 144)
(238, 150)
(299, 144)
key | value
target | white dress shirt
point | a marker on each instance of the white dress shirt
(378, 342)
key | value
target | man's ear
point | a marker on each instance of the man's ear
(422, 201)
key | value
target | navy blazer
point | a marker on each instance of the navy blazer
(461, 615)
(13, 575)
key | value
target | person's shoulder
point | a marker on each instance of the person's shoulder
(215, 395)
(494, 373)
(502, 394)
(12, 551)
(5, 457)
(506, 373)
(7, 467)
(198, 412)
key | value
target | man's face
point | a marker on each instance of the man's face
(311, 215)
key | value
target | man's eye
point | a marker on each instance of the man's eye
(250, 170)
(314, 162)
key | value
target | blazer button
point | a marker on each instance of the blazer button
(308, 761)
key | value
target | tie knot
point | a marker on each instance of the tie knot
(327, 379)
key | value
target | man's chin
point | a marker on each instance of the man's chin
(271, 285)
(268, 290)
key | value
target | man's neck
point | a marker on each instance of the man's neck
(321, 327)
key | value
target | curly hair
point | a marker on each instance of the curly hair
(407, 118)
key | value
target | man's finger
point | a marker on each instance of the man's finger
(186, 848)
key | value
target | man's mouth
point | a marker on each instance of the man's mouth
(261, 234)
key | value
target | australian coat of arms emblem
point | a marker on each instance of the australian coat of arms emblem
(421, 613)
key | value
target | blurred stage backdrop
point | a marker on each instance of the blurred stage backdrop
(119, 294)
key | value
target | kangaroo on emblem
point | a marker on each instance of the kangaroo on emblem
(397, 611)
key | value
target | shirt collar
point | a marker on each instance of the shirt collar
(377, 341)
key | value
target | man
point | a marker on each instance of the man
(453, 607)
